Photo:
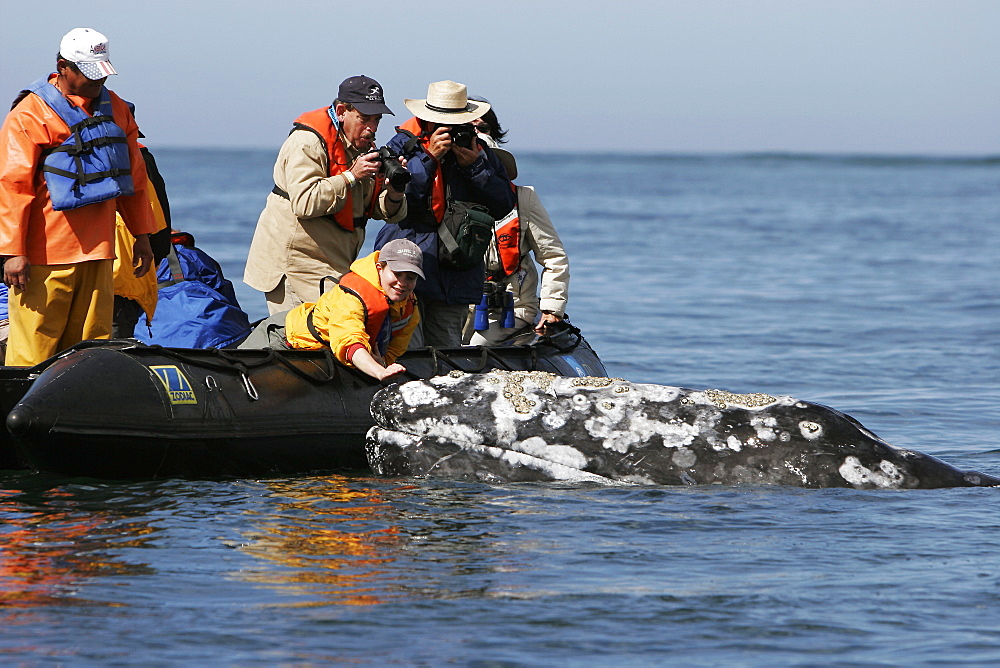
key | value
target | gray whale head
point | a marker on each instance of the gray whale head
(531, 426)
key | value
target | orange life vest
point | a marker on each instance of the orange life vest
(379, 328)
(508, 246)
(319, 122)
(438, 199)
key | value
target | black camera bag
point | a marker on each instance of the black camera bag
(467, 229)
(464, 235)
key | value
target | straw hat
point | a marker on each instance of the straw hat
(447, 102)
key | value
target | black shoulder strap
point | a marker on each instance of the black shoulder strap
(322, 281)
(309, 318)
(312, 328)
(411, 143)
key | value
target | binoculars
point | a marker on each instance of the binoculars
(495, 297)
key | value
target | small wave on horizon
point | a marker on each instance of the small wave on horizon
(874, 159)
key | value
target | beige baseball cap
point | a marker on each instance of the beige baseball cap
(403, 255)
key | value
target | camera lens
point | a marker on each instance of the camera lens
(397, 175)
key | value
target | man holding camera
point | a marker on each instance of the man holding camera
(447, 162)
(328, 184)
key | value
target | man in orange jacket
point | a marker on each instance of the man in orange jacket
(71, 160)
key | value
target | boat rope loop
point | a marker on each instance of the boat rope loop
(564, 328)
(248, 386)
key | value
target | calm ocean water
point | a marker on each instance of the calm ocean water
(870, 284)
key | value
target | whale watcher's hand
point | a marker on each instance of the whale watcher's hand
(142, 255)
(439, 143)
(465, 156)
(366, 165)
(393, 369)
(16, 271)
(374, 365)
(546, 320)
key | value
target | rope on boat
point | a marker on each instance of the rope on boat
(486, 354)
(548, 339)
(227, 361)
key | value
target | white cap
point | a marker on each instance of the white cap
(88, 49)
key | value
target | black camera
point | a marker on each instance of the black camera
(463, 134)
(397, 174)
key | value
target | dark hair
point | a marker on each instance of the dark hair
(496, 132)
(70, 63)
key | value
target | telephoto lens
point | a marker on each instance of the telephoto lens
(397, 174)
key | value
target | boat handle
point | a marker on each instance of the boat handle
(251, 390)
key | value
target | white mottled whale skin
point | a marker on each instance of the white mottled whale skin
(534, 426)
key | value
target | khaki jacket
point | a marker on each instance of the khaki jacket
(539, 236)
(298, 237)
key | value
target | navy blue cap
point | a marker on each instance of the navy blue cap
(364, 94)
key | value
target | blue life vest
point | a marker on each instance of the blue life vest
(92, 165)
(199, 309)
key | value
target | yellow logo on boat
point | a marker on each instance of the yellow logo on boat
(178, 386)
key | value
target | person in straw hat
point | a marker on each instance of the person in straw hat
(60, 190)
(446, 160)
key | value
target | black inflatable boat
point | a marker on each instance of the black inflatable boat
(120, 409)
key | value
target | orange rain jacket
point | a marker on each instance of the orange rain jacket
(28, 224)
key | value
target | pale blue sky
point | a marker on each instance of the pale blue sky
(870, 76)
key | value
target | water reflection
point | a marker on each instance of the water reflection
(331, 537)
(53, 540)
(359, 541)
